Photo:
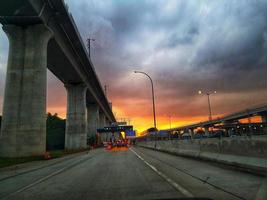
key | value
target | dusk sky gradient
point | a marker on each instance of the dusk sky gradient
(185, 45)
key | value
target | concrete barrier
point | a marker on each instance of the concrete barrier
(243, 152)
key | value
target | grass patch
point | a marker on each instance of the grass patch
(57, 154)
(5, 162)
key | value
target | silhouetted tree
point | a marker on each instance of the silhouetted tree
(91, 140)
(55, 132)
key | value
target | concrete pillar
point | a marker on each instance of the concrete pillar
(264, 117)
(92, 119)
(76, 129)
(264, 120)
(102, 120)
(191, 133)
(105, 121)
(206, 131)
(23, 131)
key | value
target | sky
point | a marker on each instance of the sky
(184, 45)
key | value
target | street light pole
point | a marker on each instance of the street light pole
(89, 46)
(153, 96)
(170, 121)
(105, 89)
(208, 94)
(210, 117)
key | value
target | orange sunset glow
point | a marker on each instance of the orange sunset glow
(139, 110)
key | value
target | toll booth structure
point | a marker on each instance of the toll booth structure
(113, 133)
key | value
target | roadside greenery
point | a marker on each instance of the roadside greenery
(55, 132)
(55, 137)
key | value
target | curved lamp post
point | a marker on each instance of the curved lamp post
(153, 96)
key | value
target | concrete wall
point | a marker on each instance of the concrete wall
(245, 152)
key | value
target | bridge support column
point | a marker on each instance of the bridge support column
(102, 120)
(206, 131)
(24, 110)
(76, 129)
(92, 119)
(191, 133)
(102, 125)
(106, 122)
(264, 117)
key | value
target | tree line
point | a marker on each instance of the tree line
(55, 131)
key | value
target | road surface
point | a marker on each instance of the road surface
(136, 173)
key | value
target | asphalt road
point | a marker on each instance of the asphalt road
(125, 174)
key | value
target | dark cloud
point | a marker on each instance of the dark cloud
(185, 45)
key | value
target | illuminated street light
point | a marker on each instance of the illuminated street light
(208, 94)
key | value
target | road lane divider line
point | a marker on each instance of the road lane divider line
(205, 181)
(177, 186)
(42, 167)
(46, 177)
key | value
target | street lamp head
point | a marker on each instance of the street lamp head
(199, 92)
(140, 72)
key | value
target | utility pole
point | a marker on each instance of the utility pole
(89, 45)
(249, 124)
(170, 121)
(105, 89)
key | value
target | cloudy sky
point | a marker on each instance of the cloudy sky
(185, 45)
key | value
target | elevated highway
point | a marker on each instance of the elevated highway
(42, 34)
(228, 119)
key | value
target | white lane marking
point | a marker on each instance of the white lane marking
(170, 181)
(46, 177)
